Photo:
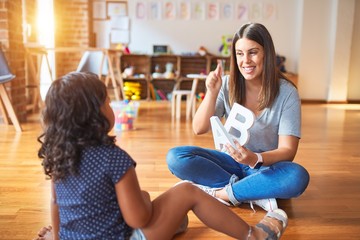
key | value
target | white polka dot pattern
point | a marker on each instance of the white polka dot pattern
(87, 202)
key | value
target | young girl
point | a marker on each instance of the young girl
(263, 169)
(95, 190)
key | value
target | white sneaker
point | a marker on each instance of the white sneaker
(268, 205)
(208, 190)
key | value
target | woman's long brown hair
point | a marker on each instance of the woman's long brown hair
(271, 74)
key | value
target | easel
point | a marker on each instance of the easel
(38, 53)
(113, 55)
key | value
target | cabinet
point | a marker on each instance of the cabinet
(135, 69)
(140, 69)
(164, 75)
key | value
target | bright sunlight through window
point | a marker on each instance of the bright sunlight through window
(45, 26)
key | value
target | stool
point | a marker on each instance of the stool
(190, 101)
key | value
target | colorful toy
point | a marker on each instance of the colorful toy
(125, 113)
(225, 46)
(123, 47)
(200, 96)
(132, 90)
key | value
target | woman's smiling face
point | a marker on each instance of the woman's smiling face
(249, 58)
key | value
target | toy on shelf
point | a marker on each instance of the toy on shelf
(203, 51)
(200, 96)
(157, 73)
(128, 72)
(169, 73)
(125, 49)
(225, 46)
(132, 90)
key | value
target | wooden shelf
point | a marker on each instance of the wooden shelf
(145, 66)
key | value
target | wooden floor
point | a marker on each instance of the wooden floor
(329, 149)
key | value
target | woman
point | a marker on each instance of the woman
(263, 169)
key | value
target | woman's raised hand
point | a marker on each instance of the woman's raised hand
(213, 80)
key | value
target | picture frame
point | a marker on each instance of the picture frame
(116, 8)
(99, 10)
(160, 49)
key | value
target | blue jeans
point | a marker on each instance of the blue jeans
(213, 168)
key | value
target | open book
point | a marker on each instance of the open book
(237, 127)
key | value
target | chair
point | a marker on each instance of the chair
(8, 110)
(100, 62)
(91, 62)
(190, 101)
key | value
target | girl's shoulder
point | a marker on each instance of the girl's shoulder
(104, 149)
(109, 153)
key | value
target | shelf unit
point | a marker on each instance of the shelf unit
(165, 84)
(191, 65)
(145, 65)
(141, 71)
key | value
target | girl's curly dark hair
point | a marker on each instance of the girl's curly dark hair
(72, 120)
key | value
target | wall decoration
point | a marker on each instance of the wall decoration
(255, 11)
(205, 10)
(198, 12)
(169, 10)
(213, 12)
(154, 11)
(227, 11)
(116, 8)
(241, 12)
(184, 10)
(99, 10)
(269, 11)
(140, 10)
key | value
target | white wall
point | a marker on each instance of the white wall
(341, 51)
(315, 54)
(320, 40)
(354, 75)
(325, 49)
(184, 36)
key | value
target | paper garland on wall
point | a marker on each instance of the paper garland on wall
(204, 10)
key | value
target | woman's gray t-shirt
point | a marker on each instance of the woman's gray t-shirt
(282, 118)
